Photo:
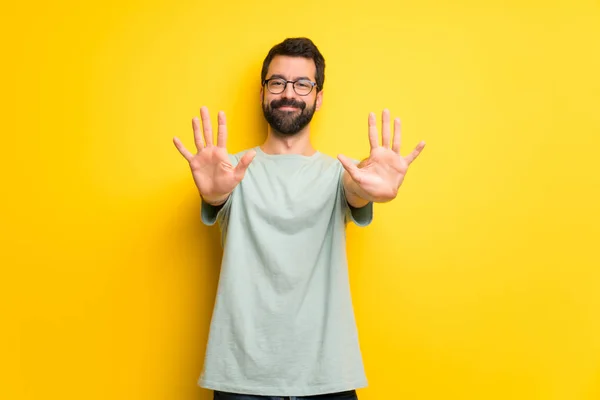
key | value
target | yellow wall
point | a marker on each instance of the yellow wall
(481, 281)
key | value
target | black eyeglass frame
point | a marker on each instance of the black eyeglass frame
(313, 85)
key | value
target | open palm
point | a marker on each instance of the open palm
(213, 173)
(379, 177)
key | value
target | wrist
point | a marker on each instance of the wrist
(355, 196)
(215, 201)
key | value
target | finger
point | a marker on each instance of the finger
(242, 166)
(385, 128)
(397, 137)
(373, 131)
(184, 152)
(222, 130)
(413, 155)
(349, 166)
(206, 126)
(197, 135)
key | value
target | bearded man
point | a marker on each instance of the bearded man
(283, 324)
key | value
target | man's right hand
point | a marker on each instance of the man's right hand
(213, 173)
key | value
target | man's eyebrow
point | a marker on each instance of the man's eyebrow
(283, 77)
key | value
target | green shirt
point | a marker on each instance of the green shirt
(283, 322)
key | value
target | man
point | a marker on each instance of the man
(283, 322)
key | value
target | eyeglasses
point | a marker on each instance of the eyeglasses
(302, 87)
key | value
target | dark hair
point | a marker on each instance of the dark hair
(297, 47)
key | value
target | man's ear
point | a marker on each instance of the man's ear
(319, 100)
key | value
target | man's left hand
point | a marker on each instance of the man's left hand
(379, 177)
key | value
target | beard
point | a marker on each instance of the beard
(288, 123)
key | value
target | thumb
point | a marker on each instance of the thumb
(349, 166)
(242, 166)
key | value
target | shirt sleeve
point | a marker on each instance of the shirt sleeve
(211, 214)
(360, 216)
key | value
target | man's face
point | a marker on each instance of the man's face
(287, 112)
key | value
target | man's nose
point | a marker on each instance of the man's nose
(289, 90)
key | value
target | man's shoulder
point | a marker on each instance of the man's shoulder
(235, 157)
(327, 158)
(328, 161)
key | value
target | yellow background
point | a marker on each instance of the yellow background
(480, 281)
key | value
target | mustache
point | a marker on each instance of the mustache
(288, 103)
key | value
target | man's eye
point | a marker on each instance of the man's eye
(276, 83)
(303, 84)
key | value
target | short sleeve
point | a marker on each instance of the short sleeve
(360, 216)
(210, 214)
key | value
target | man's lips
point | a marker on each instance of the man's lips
(288, 108)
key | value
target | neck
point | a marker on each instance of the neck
(299, 143)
